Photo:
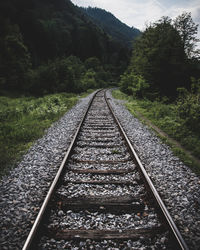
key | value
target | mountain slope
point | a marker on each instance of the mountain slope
(55, 28)
(37, 40)
(113, 26)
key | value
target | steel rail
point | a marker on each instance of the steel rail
(39, 217)
(162, 206)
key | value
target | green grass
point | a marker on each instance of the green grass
(24, 119)
(165, 117)
(115, 151)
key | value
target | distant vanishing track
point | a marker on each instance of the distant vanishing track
(102, 196)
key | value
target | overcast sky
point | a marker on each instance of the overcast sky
(138, 12)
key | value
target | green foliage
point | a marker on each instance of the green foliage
(88, 81)
(159, 57)
(93, 63)
(188, 31)
(162, 57)
(120, 95)
(170, 119)
(188, 106)
(67, 75)
(23, 120)
(101, 76)
(115, 151)
(133, 84)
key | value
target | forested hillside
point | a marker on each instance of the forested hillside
(37, 37)
(114, 27)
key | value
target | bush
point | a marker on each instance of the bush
(188, 106)
(88, 81)
(133, 84)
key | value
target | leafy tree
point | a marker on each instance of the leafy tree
(188, 31)
(159, 57)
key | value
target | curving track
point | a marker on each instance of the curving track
(101, 197)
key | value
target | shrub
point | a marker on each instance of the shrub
(133, 84)
(188, 106)
(88, 81)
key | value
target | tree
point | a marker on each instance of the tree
(14, 59)
(187, 30)
(159, 57)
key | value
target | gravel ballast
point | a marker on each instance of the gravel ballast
(178, 186)
(23, 190)
(101, 221)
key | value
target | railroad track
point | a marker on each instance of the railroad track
(102, 197)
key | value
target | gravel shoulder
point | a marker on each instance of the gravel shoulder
(178, 186)
(23, 190)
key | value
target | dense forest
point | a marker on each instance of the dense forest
(49, 45)
(113, 26)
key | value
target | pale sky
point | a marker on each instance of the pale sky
(139, 12)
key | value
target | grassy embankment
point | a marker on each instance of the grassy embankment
(165, 117)
(24, 119)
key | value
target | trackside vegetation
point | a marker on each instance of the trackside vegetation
(24, 119)
(173, 119)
